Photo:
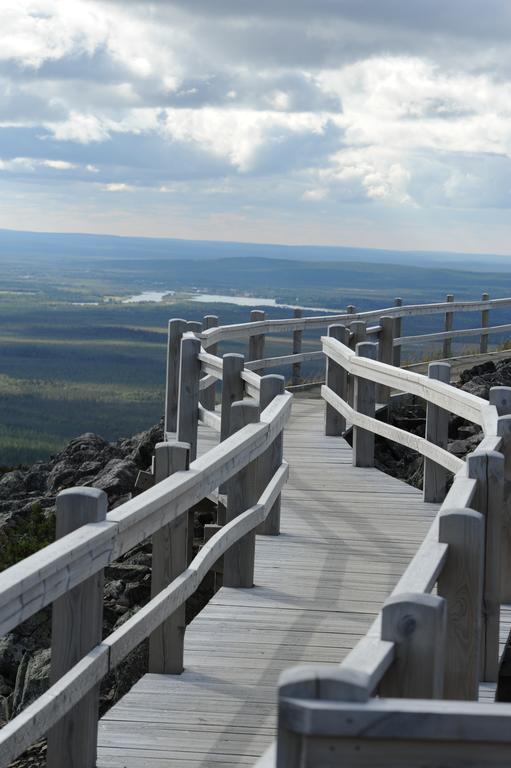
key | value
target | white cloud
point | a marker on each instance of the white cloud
(31, 164)
(118, 187)
(270, 104)
(315, 195)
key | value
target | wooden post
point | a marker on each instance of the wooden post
(357, 335)
(385, 354)
(188, 406)
(487, 468)
(170, 548)
(77, 626)
(194, 326)
(207, 396)
(297, 348)
(241, 495)
(312, 681)
(485, 321)
(416, 623)
(337, 380)
(437, 428)
(364, 402)
(232, 389)
(461, 584)
(398, 326)
(271, 386)
(351, 309)
(256, 343)
(447, 352)
(500, 397)
(177, 327)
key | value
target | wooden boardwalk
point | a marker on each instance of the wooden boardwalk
(347, 535)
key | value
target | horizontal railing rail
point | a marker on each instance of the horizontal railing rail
(248, 461)
(422, 645)
(254, 409)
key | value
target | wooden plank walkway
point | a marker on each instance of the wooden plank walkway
(347, 535)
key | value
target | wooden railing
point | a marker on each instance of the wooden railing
(437, 636)
(248, 471)
(246, 466)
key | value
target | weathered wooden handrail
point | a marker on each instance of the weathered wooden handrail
(457, 534)
(244, 330)
(49, 708)
(420, 645)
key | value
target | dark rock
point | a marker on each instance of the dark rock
(126, 572)
(117, 478)
(32, 679)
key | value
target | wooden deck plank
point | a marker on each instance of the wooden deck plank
(347, 536)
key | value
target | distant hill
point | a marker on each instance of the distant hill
(35, 246)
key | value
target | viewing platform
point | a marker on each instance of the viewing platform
(346, 536)
(358, 621)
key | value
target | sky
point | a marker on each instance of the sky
(372, 123)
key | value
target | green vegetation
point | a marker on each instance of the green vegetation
(28, 536)
(66, 368)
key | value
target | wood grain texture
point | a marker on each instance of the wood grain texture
(364, 402)
(177, 327)
(336, 379)
(242, 492)
(437, 428)
(77, 624)
(312, 601)
(207, 396)
(461, 585)
(297, 348)
(169, 559)
(416, 624)
(188, 403)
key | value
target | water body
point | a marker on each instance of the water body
(154, 296)
(240, 301)
(217, 298)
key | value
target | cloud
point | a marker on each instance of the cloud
(118, 187)
(246, 107)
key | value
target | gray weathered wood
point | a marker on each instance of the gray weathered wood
(207, 396)
(177, 327)
(487, 468)
(271, 386)
(448, 323)
(256, 343)
(416, 623)
(194, 326)
(437, 428)
(77, 624)
(351, 309)
(358, 333)
(242, 493)
(457, 401)
(485, 322)
(312, 682)
(297, 348)
(504, 431)
(500, 397)
(364, 402)
(232, 389)
(385, 354)
(188, 405)
(398, 302)
(169, 559)
(461, 585)
(336, 379)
